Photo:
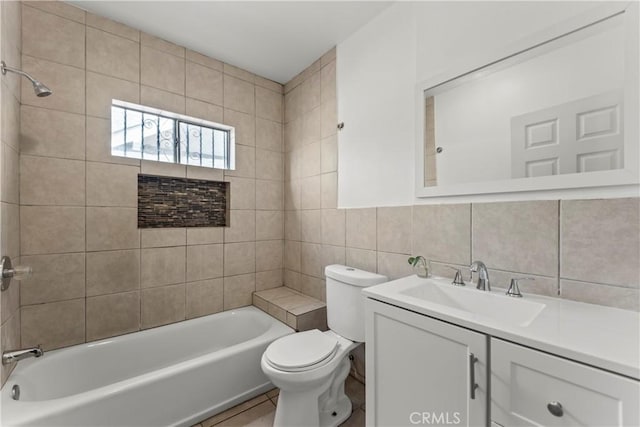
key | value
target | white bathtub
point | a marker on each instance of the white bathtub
(175, 375)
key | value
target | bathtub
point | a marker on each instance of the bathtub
(175, 375)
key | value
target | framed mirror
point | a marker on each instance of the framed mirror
(556, 111)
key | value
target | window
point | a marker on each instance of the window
(145, 133)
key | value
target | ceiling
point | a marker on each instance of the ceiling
(274, 39)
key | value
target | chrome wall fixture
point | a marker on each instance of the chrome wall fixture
(39, 88)
(9, 272)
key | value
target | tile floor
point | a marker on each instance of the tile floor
(260, 411)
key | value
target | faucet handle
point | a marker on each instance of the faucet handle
(457, 280)
(514, 289)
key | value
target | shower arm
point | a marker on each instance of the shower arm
(5, 68)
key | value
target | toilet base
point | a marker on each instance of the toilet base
(343, 412)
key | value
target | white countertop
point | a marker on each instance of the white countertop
(604, 337)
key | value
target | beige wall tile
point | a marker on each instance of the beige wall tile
(292, 224)
(239, 95)
(329, 188)
(163, 305)
(314, 287)
(204, 110)
(268, 279)
(292, 255)
(268, 135)
(333, 227)
(51, 133)
(67, 81)
(204, 83)
(292, 104)
(242, 193)
(53, 325)
(443, 233)
(10, 131)
(10, 301)
(310, 160)
(101, 90)
(49, 181)
(204, 262)
(310, 226)
(311, 126)
(394, 229)
(329, 56)
(316, 319)
(596, 293)
(361, 228)
(204, 297)
(363, 259)
(160, 44)
(163, 237)
(269, 165)
(242, 227)
(601, 241)
(394, 266)
(311, 259)
(163, 100)
(329, 154)
(112, 228)
(239, 258)
(60, 9)
(112, 185)
(51, 37)
(269, 255)
(310, 192)
(10, 339)
(238, 290)
(111, 315)
(10, 219)
(269, 195)
(113, 55)
(329, 118)
(292, 194)
(205, 235)
(292, 135)
(517, 236)
(328, 82)
(311, 92)
(268, 104)
(51, 229)
(332, 255)
(113, 27)
(201, 59)
(500, 280)
(163, 169)
(54, 278)
(162, 70)
(244, 124)
(162, 266)
(239, 73)
(292, 278)
(269, 225)
(206, 173)
(269, 84)
(112, 272)
(245, 162)
(10, 175)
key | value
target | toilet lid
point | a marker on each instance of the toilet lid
(301, 350)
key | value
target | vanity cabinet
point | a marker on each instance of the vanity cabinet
(423, 371)
(532, 388)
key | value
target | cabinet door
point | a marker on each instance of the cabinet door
(525, 381)
(419, 370)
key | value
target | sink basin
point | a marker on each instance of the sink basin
(506, 309)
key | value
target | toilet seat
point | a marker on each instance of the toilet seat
(302, 351)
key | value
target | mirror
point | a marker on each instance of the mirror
(553, 115)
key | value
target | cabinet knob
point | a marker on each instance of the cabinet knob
(555, 408)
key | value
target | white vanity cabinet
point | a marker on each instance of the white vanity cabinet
(422, 371)
(532, 388)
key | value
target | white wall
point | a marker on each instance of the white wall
(380, 65)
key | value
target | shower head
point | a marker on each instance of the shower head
(39, 88)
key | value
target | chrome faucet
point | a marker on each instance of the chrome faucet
(483, 275)
(16, 355)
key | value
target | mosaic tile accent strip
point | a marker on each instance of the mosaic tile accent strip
(166, 202)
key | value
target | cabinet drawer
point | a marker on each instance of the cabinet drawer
(524, 382)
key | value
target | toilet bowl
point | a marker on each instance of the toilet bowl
(310, 367)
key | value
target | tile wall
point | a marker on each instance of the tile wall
(95, 272)
(9, 174)
(585, 250)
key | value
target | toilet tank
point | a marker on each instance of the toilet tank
(345, 302)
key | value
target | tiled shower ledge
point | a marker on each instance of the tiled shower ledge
(301, 312)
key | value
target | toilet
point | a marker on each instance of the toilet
(310, 367)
